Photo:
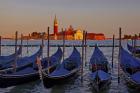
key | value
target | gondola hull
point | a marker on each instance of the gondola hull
(130, 69)
(11, 80)
(101, 85)
(29, 72)
(21, 62)
(6, 81)
(49, 81)
(6, 60)
(134, 50)
(130, 83)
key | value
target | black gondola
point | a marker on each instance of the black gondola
(131, 68)
(23, 61)
(29, 72)
(134, 50)
(4, 60)
(65, 71)
(99, 76)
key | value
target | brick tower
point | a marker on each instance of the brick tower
(55, 27)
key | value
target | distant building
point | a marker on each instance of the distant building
(99, 36)
(78, 35)
(70, 34)
(95, 36)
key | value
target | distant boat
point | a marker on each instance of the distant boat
(4, 60)
(134, 50)
(64, 72)
(131, 68)
(99, 76)
(28, 72)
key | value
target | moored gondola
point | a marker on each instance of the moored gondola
(4, 60)
(68, 69)
(131, 68)
(29, 72)
(134, 50)
(99, 76)
(23, 61)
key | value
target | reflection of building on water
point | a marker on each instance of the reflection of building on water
(70, 34)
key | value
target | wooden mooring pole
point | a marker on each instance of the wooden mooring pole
(27, 44)
(48, 49)
(82, 56)
(132, 42)
(0, 45)
(120, 39)
(15, 61)
(42, 44)
(86, 48)
(21, 43)
(135, 43)
(63, 44)
(113, 50)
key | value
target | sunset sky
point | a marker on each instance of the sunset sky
(99, 16)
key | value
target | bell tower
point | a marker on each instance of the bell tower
(55, 27)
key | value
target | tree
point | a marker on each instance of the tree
(34, 34)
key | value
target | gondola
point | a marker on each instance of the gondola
(4, 60)
(100, 76)
(23, 61)
(134, 50)
(28, 73)
(68, 69)
(131, 68)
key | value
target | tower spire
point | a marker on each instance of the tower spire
(55, 20)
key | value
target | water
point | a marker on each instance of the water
(74, 86)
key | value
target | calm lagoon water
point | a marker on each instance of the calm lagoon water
(74, 86)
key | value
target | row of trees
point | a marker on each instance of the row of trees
(37, 34)
(132, 36)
